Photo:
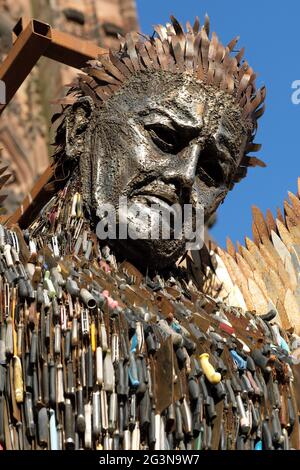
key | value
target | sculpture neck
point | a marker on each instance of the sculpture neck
(67, 226)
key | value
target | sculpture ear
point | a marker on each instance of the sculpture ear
(78, 118)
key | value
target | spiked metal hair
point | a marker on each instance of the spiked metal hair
(173, 49)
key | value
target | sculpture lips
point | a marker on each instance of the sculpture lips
(160, 191)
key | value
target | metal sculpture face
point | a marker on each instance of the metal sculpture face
(166, 120)
(163, 139)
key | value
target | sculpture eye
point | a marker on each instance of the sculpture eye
(165, 137)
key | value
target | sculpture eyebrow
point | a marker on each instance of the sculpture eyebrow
(225, 141)
(184, 124)
(224, 137)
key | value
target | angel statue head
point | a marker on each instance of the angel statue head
(167, 121)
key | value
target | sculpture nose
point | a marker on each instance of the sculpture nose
(184, 167)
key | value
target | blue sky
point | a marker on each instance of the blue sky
(271, 34)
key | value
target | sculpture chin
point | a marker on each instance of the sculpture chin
(152, 254)
(149, 228)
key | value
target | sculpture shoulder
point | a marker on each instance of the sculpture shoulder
(122, 339)
(263, 274)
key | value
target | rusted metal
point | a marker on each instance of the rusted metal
(18, 157)
(63, 47)
(32, 202)
(33, 39)
(72, 51)
(26, 51)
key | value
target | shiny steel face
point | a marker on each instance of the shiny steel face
(163, 139)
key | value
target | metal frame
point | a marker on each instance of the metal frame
(33, 39)
(32, 203)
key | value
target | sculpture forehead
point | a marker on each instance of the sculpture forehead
(181, 94)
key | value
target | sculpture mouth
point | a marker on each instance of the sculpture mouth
(159, 193)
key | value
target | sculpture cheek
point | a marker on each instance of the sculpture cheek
(208, 197)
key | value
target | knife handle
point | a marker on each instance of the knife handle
(69, 425)
(212, 376)
(43, 427)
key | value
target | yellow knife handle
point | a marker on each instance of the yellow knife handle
(93, 337)
(209, 371)
(18, 380)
